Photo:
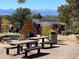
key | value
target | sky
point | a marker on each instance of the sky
(32, 4)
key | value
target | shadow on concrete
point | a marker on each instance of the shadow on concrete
(51, 47)
(55, 46)
(17, 54)
(61, 42)
(35, 55)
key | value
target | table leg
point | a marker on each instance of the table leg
(18, 49)
(36, 44)
(42, 42)
(26, 52)
(28, 45)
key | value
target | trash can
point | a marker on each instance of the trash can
(54, 37)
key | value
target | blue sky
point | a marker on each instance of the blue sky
(32, 4)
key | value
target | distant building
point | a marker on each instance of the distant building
(58, 26)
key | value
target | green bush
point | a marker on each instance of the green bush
(46, 30)
(5, 24)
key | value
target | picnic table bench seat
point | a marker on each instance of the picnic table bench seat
(11, 47)
(49, 42)
(32, 48)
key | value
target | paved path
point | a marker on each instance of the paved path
(65, 50)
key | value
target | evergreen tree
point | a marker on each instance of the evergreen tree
(69, 13)
(21, 14)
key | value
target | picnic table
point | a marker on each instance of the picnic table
(18, 43)
(8, 36)
(40, 37)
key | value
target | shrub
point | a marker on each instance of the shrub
(46, 30)
(5, 24)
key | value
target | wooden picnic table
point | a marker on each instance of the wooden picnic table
(18, 43)
(8, 36)
(40, 37)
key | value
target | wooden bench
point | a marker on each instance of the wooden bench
(11, 47)
(32, 48)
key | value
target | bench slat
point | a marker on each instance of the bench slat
(48, 42)
(32, 48)
(10, 47)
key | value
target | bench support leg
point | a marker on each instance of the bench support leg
(21, 47)
(51, 45)
(26, 53)
(18, 49)
(7, 51)
(38, 50)
(43, 43)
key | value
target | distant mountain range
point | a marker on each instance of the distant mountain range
(42, 12)
(46, 12)
(6, 12)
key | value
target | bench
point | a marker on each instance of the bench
(49, 42)
(32, 48)
(11, 47)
